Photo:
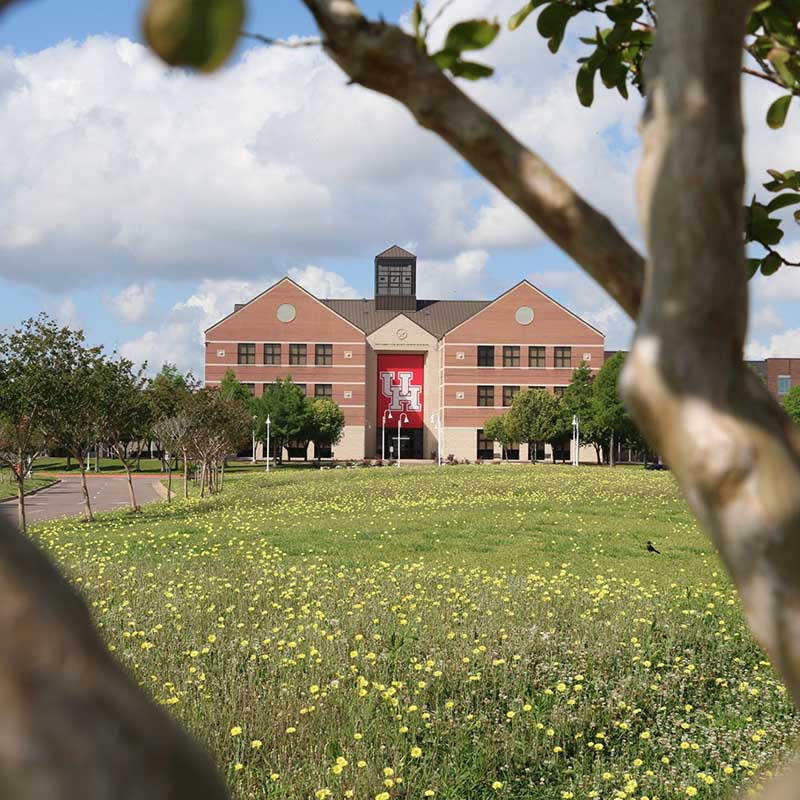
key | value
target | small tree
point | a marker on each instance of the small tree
(610, 415)
(122, 410)
(578, 401)
(535, 416)
(327, 424)
(498, 429)
(30, 390)
(791, 403)
(173, 433)
(289, 411)
(166, 393)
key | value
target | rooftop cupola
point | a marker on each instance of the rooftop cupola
(395, 280)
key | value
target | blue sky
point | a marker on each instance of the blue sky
(139, 202)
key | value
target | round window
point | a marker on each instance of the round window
(286, 312)
(524, 315)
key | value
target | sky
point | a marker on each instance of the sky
(140, 203)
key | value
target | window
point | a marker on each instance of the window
(247, 354)
(485, 355)
(251, 387)
(508, 394)
(301, 387)
(784, 384)
(536, 356)
(272, 354)
(538, 388)
(511, 356)
(558, 391)
(323, 355)
(485, 446)
(563, 357)
(297, 354)
(486, 395)
(323, 390)
(395, 279)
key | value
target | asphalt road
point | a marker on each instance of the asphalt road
(65, 499)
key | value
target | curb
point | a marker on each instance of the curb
(14, 498)
(162, 490)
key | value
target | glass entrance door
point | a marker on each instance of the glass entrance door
(410, 443)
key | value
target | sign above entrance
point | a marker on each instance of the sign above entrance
(400, 387)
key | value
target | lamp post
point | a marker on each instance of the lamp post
(576, 438)
(386, 415)
(399, 423)
(436, 420)
(269, 453)
(254, 439)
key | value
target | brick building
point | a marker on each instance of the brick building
(446, 365)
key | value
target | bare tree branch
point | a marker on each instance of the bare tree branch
(281, 42)
(384, 58)
(735, 453)
(55, 674)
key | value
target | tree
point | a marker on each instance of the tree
(731, 446)
(578, 401)
(289, 411)
(326, 424)
(123, 414)
(71, 420)
(498, 430)
(535, 417)
(609, 412)
(166, 393)
(30, 392)
(173, 433)
(232, 389)
(791, 404)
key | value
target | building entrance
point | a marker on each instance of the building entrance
(410, 443)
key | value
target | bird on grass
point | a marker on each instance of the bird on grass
(651, 549)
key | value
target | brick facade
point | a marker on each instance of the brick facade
(521, 339)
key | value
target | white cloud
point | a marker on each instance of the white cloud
(449, 279)
(66, 313)
(179, 338)
(781, 345)
(132, 305)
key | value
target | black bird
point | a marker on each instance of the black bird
(651, 549)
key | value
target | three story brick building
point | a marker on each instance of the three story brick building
(446, 366)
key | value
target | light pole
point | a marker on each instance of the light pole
(269, 453)
(399, 423)
(576, 438)
(436, 420)
(383, 434)
(254, 439)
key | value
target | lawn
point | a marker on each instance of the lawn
(8, 486)
(461, 633)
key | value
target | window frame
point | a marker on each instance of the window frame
(295, 354)
(559, 354)
(249, 355)
(541, 355)
(323, 355)
(508, 395)
(326, 387)
(485, 392)
(788, 379)
(511, 355)
(483, 453)
(275, 350)
(485, 354)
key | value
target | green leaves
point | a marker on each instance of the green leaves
(776, 113)
(552, 23)
(200, 34)
(584, 85)
(517, 19)
(473, 34)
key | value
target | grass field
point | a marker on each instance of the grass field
(8, 486)
(462, 633)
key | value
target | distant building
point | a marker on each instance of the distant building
(448, 365)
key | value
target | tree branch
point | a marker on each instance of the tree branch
(280, 42)
(384, 58)
(735, 454)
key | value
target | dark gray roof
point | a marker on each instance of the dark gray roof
(395, 252)
(435, 316)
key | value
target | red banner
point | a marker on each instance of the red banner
(401, 381)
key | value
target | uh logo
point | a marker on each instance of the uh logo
(401, 393)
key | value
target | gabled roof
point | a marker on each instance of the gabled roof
(435, 316)
(395, 251)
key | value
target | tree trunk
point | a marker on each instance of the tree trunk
(222, 477)
(611, 453)
(203, 479)
(597, 453)
(87, 506)
(138, 457)
(20, 476)
(185, 475)
(69, 462)
(131, 493)
(169, 480)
